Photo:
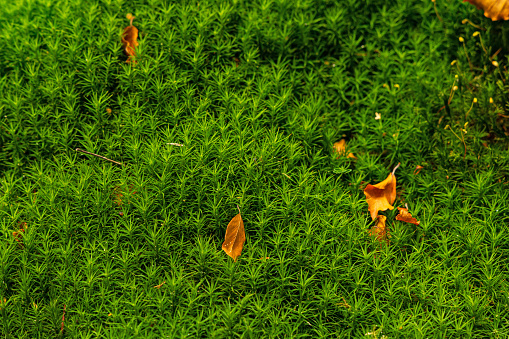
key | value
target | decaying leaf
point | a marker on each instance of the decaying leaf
(118, 195)
(380, 230)
(418, 168)
(493, 9)
(381, 196)
(405, 216)
(340, 148)
(130, 39)
(235, 237)
(18, 235)
(160, 285)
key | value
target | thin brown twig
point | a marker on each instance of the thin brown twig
(496, 53)
(99, 156)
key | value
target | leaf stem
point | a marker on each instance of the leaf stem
(395, 168)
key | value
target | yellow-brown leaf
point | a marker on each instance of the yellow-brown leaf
(380, 230)
(493, 9)
(405, 216)
(234, 238)
(381, 196)
(130, 39)
(340, 148)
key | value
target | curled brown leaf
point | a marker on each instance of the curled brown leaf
(493, 9)
(381, 196)
(130, 39)
(405, 216)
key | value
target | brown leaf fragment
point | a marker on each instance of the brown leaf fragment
(381, 196)
(235, 237)
(63, 320)
(405, 216)
(160, 285)
(130, 39)
(380, 230)
(493, 9)
(418, 168)
(118, 194)
(340, 148)
(18, 235)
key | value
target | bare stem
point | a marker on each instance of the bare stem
(99, 156)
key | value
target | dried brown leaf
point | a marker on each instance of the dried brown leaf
(405, 216)
(160, 285)
(118, 195)
(493, 9)
(18, 235)
(418, 168)
(130, 39)
(340, 148)
(380, 230)
(235, 237)
(381, 196)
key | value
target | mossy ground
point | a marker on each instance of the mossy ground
(257, 92)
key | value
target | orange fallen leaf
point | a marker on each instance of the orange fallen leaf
(129, 39)
(418, 168)
(493, 9)
(381, 196)
(405, 216)
(235, 237)
(340, 148)
(380, 230)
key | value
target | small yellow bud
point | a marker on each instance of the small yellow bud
(494, 63)
(491, 100)
(461, 39)
(455, 88)
(464, 21)
(453, 62)
(129, 16)
(456, 76)
(475, 100)
(396, 85)
(475, 34)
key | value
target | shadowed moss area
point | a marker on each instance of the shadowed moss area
(239, 103)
